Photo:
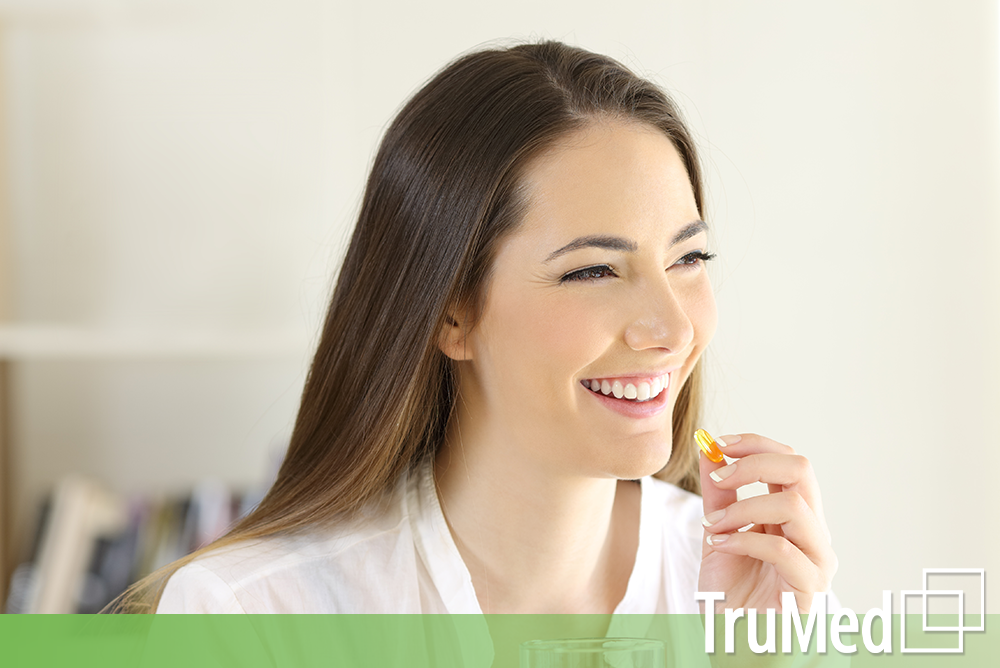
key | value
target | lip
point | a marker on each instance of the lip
(632, 409)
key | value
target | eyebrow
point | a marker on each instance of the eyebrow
(622, 244)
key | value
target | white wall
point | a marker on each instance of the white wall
(192, 165)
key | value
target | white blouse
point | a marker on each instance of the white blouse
(400, 557)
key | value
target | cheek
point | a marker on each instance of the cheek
(536, 340)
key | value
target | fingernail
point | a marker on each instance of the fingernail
(717, 539)
(727, 440)
(718, 475)
(712, 518)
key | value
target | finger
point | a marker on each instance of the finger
(746, 445)
(788, 560)
(785, 513)
(741, 445)
(779, 471)
(782, 470)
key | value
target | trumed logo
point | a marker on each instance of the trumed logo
(844, 621)
(928, 594)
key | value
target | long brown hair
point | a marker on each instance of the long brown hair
(442, 194)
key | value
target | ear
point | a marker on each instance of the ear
(453, 338)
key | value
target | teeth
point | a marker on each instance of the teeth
(642, 391)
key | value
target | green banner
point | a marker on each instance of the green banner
(444, 641)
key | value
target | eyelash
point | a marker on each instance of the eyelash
(599, 271)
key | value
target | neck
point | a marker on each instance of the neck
(534, 541)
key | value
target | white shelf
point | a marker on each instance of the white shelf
(46, 342)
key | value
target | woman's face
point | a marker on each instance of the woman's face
(601, 289)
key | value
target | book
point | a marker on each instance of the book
(91, 544)
(82, 511)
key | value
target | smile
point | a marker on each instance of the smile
(631, 389)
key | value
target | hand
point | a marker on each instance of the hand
(787, 549)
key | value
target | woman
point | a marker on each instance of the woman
(510, 353)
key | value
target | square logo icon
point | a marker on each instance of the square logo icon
(943, 610)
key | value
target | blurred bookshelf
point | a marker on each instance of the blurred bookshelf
(12, 14)
(88, 542)
(231, 385)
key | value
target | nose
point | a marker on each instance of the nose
(660, 320)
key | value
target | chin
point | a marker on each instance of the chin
(641, 462)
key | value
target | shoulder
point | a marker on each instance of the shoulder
(196, 589)
(322, 570)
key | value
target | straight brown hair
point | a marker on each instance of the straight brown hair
(443, 193)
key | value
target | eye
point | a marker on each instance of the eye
(589, 273)
(695, 258)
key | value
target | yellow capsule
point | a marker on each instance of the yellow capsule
(708, 445)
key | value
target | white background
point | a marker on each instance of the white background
(195, 166)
